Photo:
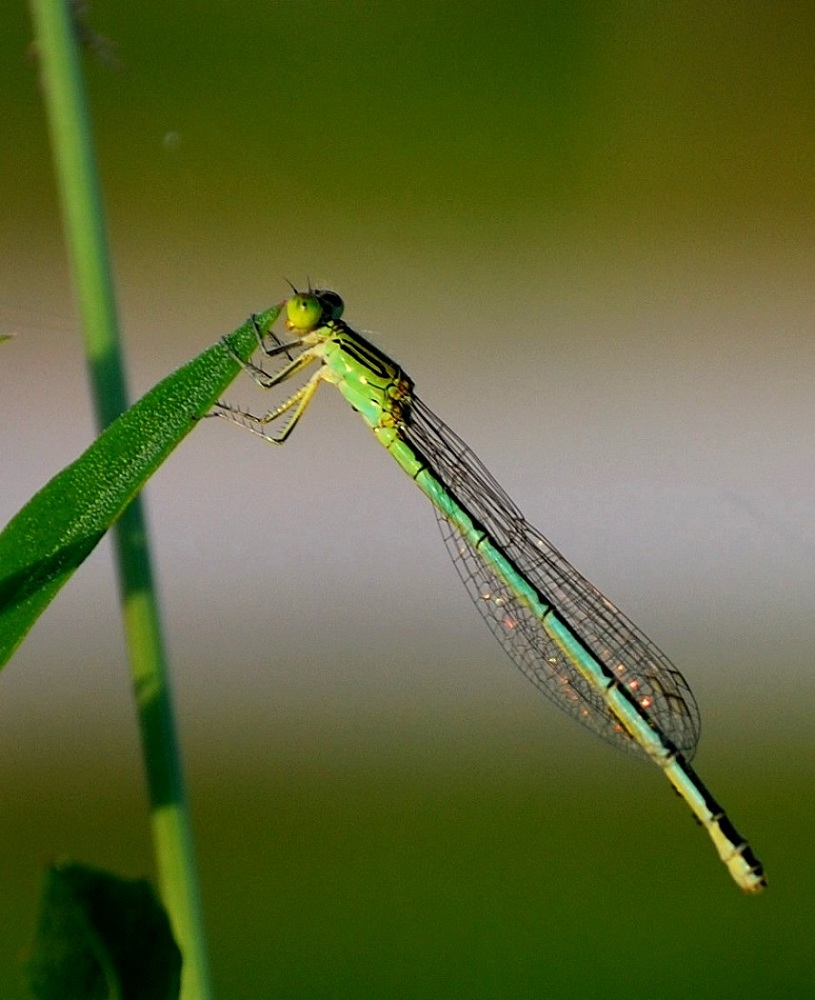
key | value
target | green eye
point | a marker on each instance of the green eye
(303, 312)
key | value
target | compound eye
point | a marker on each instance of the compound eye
(303, 312)
(331, 302)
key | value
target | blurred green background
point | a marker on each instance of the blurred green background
(585, 229)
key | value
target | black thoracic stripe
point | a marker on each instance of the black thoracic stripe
(364, 353)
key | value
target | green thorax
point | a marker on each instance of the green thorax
(373, 383)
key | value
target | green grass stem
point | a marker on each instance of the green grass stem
(85, 235)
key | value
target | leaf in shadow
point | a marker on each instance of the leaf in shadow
(102, 937)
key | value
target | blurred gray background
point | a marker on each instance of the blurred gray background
(586, 232)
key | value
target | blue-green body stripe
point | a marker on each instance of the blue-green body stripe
(623, 684)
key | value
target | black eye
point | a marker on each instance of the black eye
(331, 303)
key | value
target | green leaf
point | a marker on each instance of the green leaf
(57, 529)
(102, 937)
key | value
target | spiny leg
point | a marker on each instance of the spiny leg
(256, 424)
(251, 421)
(263, 378)
(277, 346)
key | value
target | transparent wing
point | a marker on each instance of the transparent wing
(608, 634)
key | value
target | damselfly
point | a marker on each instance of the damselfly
(562, 633)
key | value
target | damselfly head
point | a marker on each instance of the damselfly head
(305, 311)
